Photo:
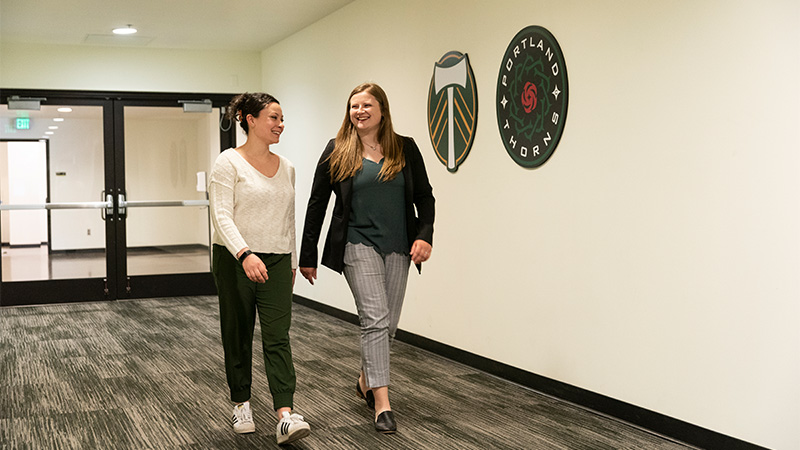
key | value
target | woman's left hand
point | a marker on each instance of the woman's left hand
(420, 251)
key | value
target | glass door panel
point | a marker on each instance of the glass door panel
(51, 182)
(103, 194)
(168, 155)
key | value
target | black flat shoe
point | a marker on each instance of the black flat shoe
(385, 423)
(369, 397)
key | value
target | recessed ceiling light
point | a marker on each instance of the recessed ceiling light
(48, 132)
(64, 109)
(53, 127)
(125, 30)
(58, 119)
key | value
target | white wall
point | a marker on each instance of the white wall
(35, 66)
(162, 158)
(76, 152)
(4, 234)
(655, 258)
(26, 171)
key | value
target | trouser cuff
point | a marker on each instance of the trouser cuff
(240, 396)
(283, 400)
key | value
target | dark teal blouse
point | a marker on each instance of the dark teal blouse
(377, 218)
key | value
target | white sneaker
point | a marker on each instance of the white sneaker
(243, 419)
(291, 428)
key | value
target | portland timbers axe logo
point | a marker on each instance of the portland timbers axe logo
(532, 96)
(452, 109)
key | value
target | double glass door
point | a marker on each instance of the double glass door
(103, 196)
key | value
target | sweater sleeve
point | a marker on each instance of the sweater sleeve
(220, 195)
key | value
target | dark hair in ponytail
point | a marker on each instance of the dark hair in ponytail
(248, 103)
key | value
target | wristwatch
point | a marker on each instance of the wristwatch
(244, 255)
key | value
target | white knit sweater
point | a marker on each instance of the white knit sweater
(249, 209)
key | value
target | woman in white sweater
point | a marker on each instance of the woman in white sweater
(251, 191)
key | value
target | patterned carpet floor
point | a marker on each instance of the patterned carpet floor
(149, 374)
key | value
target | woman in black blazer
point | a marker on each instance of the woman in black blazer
(382, 220)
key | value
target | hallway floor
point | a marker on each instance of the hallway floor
(139, 374)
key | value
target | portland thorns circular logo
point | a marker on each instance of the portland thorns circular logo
(532, 96)
(452, 109)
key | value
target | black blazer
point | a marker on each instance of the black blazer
(419, 194)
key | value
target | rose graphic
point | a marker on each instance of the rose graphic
(529, 97)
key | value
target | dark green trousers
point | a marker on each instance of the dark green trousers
(239, 300)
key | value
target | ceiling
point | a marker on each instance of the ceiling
(246, 25)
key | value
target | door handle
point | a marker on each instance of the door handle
(110, 204)
(121, 205)
(108, 209)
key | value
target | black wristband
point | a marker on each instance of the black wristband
(244, 255)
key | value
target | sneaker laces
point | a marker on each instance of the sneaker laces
(244, 412)
(292, 418)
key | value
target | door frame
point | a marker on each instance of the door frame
(116, 284)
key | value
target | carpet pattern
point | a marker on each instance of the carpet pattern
(149, 374)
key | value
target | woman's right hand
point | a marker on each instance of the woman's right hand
(309, 273)
(255, 269)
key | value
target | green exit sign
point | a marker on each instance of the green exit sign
(23, 123)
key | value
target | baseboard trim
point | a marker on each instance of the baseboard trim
(25, 245)
(649, 420)
(170, 248)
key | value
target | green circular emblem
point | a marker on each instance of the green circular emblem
(532, 93)
(452, 109)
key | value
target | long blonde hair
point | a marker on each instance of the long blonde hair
(345, 160)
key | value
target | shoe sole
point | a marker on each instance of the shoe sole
(247, 430)
(297, 435)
